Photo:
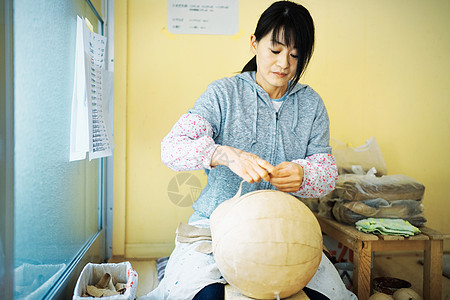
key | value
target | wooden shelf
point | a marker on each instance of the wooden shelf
(362, 244)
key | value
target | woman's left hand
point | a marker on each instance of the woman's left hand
(287, 177)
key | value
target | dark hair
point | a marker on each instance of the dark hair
(292, 22)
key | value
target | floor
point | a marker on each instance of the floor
(405, 266)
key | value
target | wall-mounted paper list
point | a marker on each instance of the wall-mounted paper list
(98, 89)
(202, 16)
(97, 84)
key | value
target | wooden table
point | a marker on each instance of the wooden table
(362, 244)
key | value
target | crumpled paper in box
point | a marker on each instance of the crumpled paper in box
(120, 272)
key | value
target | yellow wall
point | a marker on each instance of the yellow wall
(382, 68)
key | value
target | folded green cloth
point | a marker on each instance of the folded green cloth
(387, 227)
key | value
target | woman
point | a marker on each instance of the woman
(260, 126)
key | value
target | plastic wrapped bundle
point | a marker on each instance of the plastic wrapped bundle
(352, 211)
(311, 203)
(354, 187)
(325, 208)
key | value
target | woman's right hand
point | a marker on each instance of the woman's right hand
(248, 166)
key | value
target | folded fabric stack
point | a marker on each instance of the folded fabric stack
(387, 227)
(357, 197)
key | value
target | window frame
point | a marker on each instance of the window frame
(7, 149)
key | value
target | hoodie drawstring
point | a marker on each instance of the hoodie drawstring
(256, 118)
(295, 118)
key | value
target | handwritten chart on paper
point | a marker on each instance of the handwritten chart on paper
(98, 90)
(202, 16)
(91, 127)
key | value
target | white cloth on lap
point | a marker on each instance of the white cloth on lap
(187, 272)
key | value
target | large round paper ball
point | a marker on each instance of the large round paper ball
(381, 296)
(406, 294)
(266, 243)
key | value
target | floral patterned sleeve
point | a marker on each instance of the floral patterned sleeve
(320, 175)
(189, 145)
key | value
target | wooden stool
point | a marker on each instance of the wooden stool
(232, 293)
(362, 244)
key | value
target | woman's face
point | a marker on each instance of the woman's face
(276, 64)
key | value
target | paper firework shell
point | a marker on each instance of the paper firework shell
(266, 243)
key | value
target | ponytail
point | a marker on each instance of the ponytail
(250, 66)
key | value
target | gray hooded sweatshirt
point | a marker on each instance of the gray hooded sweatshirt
(242, 115)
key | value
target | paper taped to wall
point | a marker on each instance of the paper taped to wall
(202, 16)
(79, 136)
(93, 86)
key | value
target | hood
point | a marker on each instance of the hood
(249, 78)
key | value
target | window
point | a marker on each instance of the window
(58, 206)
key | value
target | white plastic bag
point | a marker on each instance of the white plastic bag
(33, 281)
(364, 157)
(121, 272)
